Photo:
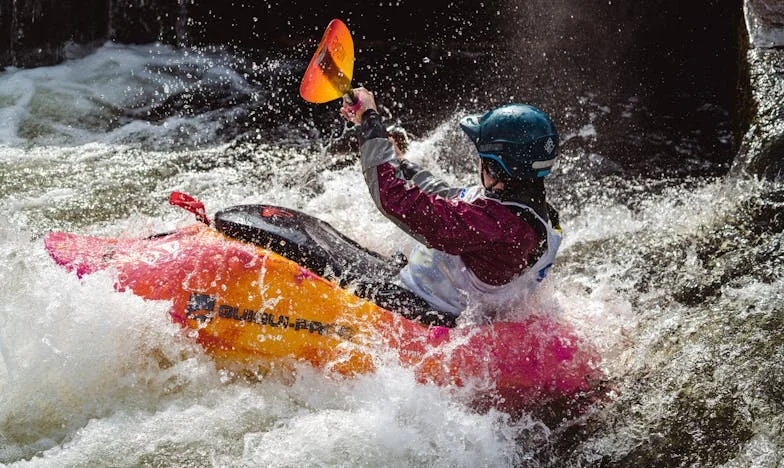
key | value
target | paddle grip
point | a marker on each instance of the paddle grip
(351, 99)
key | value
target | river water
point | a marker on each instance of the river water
(675, 276)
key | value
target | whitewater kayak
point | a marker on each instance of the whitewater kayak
(253, 289)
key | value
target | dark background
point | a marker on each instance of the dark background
(675, 63)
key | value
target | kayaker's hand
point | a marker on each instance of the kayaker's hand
(400, 140)
(353, 112)
(398, 152)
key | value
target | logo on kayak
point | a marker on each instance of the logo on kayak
(202, 307)
(272, 212)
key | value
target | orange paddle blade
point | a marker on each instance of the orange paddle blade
(329, 73)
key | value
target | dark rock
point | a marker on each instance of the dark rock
(765, 23)
(761, 151)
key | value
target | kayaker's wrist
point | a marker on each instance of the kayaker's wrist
(372, 126)
(409, 168)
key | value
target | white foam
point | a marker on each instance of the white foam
(76, 101)
(76, 350)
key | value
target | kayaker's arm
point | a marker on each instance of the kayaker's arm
(445, 223)
(425, 180)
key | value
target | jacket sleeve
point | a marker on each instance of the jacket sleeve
(426, 181)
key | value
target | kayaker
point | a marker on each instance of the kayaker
(479, 248)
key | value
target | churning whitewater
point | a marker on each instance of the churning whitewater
(649, 272)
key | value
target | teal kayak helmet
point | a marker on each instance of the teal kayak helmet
(520, 138)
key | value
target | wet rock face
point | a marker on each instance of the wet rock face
(762, 148)
(765, 23)
(38, 32)
(33, 32)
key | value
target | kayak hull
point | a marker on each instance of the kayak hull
(254, 309)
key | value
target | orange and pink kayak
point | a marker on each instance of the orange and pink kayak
(253, 308)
